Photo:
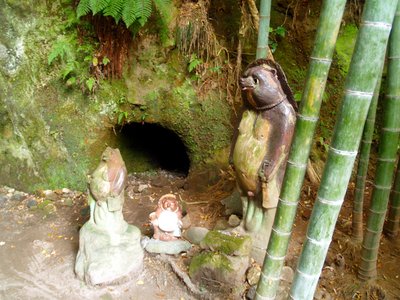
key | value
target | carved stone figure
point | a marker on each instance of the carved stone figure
(167, 219)
(109, 248)
(263, 143)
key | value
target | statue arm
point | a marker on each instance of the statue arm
(279, 146)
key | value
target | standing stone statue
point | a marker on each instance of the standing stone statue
(262, 146)
(109, 248)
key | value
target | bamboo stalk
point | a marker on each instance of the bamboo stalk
(361, 80)
(263, 29)
(388, 145)
(393, 219)
(362, 168)
(331, 16)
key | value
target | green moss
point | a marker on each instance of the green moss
(210, 260)
(345, 46)
(227, 244)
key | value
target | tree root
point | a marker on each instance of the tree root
(185, 278)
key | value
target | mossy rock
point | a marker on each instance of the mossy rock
(217, 270)
(227, 243)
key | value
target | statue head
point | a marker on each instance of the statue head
(169, 202)
(264, 85)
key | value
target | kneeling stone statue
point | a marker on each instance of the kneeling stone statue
(109, 248)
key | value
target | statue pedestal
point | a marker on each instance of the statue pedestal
(107, 257)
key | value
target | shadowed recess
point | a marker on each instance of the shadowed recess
(146, 147)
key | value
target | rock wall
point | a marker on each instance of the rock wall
(51, 135)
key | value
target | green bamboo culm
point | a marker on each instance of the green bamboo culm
(393, 220)
(362, 168)
(387, 152)
(320, 62)
(361, 80)
(263, 29)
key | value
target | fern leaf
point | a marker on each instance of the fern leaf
(59, 49)
(83, 8)
(114, 9)
(98, 5)
(142, 10)
(164, 8)
(129, 12)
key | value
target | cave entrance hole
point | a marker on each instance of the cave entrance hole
(147, 147)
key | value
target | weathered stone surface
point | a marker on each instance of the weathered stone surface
(227, 243)
(219, 267)
(221, 224)
(107, 258)
(234, 221)
(167, 247)
(233, 203)
(109, 248)
(287, 274)
(253, 274)
(195, 234)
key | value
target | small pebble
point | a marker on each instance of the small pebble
(32, 203)
(234, 221)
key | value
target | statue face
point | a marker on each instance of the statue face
(170, 204)
(261, 87)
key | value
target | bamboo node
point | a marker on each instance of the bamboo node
(281, 233)
(307, 118)
(396, 97)
(288, 203)
(368, 260)
(343, 152)
(275, 257)
(322, 59)
(374, 231)
(313, 277)
(366, 142)
(322, 243)
(396, 130)
(382, 187)
(268, 278)
(386, 159)
(359, 93)
(330, 202)
(383, 25)
(369, 248)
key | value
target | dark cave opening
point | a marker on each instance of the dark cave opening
(147, 147)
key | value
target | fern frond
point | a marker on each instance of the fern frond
(129, 12)
(142, 10)
(114, 9)
(60, 49)
(83, 8)
(164, 8)
(98, 5)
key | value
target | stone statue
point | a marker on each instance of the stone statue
(262, 145)
(167, 225)
(167, 219)
(109, 248)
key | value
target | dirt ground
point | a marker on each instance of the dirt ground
(39, 241)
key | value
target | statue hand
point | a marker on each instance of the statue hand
(264, 170)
